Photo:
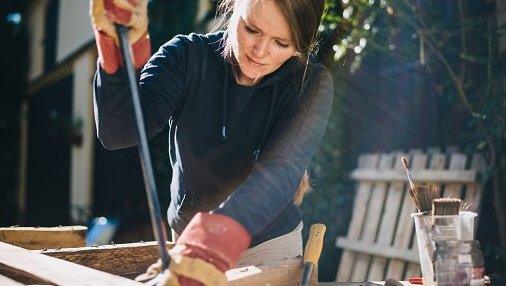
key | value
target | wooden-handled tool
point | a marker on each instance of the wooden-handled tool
(312, 251)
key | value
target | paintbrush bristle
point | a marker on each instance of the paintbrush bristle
(423, 196)
(446, 206)
(465, 206)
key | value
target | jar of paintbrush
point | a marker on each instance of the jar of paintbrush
(441, 223)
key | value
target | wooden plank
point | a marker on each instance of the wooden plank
(44, 237)
(388, 223)
(127, 260)
(426, 176)
(474, 191)
(371, 225)
(405, 225)
(286, 272)
(453, 190)
(357, 218)
(377, 250)
(36, 268)
(22, 277)
(132, 259)
(5, 281)
(54, 270)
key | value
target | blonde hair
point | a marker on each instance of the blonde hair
(303, 188)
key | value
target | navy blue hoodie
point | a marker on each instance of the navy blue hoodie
(235, 150)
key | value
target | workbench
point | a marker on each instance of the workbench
(45, 255)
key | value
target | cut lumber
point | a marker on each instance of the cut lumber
(127, 260)
(62, 267)
(55, 270)
(131, 259)
(5, 281)
(44, 237)
(286, 272)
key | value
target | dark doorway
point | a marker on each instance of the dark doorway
(48, 169)
(50, 34)
(119, 192)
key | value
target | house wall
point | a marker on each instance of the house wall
(36, 14)
(72, 33)
(82, 152)
(74, 28)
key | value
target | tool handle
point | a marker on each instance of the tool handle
(408, 173)
(314, 244)
(159, 230)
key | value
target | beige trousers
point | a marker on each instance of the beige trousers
(289, 245)
(282, 247)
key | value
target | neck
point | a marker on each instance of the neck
(241, 78)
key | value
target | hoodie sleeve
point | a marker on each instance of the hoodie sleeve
(276, 175)
(161, 89)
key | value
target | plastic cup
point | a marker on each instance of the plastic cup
(431, 228)
(423, 229)
(467, 225)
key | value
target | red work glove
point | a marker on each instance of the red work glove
(209, 245)
(130, 13)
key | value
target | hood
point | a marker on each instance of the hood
(291, 68)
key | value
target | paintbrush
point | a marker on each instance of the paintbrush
(446, 206)
(445, 213)
(422, 195)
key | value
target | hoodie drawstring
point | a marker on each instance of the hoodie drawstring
(267, 124)
(224, 131)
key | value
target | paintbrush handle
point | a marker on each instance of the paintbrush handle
(408, 173)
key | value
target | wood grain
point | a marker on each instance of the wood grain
(44, 237)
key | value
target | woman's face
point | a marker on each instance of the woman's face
(263, 41)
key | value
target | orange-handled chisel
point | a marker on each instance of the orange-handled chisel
(312, 251)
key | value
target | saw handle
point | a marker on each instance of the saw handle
(314, 244)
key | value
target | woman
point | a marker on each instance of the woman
(247, 109)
